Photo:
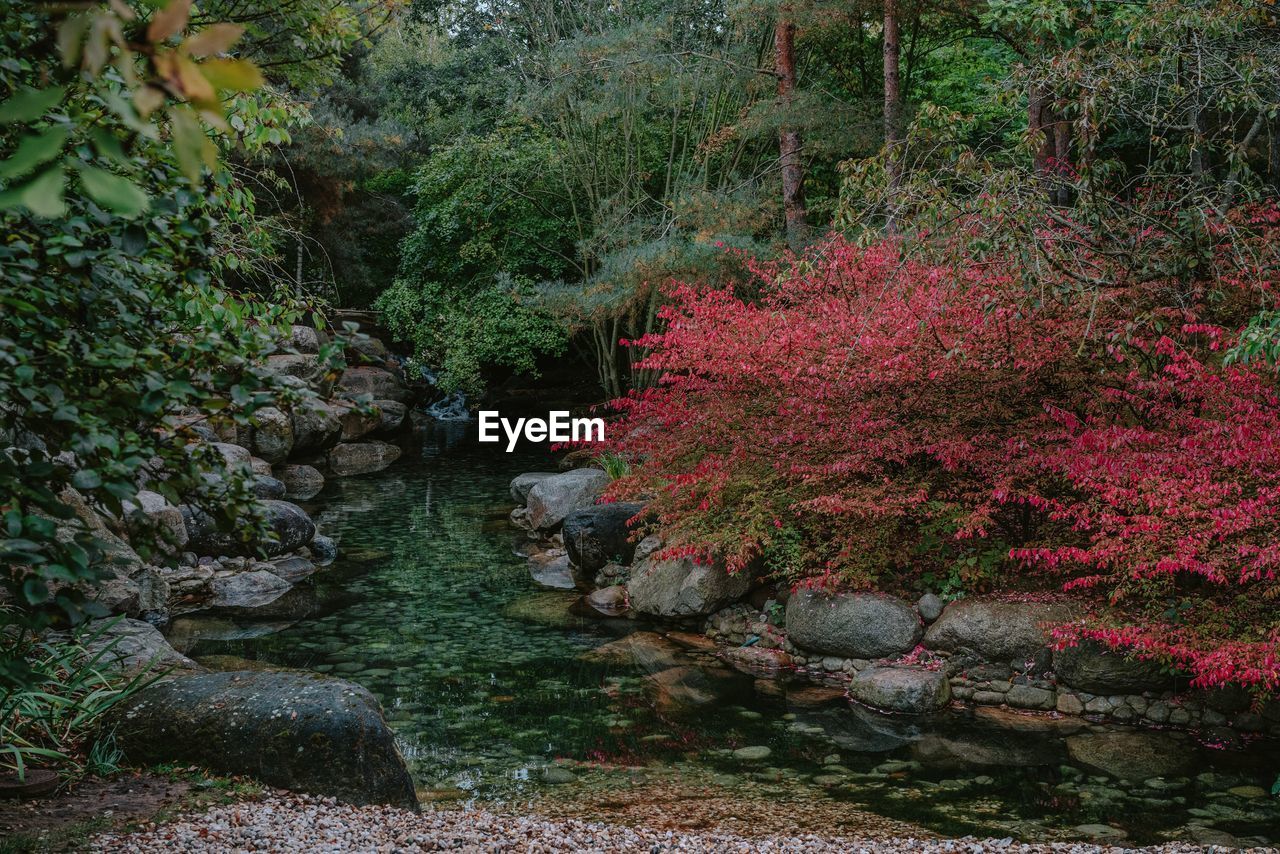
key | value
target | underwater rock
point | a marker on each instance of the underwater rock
(1136, 755)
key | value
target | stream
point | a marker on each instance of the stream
(491, 685)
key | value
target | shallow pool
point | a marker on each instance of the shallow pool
(499, 693)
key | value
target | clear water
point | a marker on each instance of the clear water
(483, 677)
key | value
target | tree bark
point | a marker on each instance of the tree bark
(788, 137)
(892, 114)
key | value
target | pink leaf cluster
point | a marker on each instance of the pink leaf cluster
(866, 417)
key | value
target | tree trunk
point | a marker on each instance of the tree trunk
(788, 137)
(892, 114)
(1053, 136)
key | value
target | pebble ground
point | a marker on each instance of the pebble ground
(300, 823)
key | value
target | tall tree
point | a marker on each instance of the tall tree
(788, 137)
(892, 111)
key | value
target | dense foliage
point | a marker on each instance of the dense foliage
(884, 423)
(117, 339)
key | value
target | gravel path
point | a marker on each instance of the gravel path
(298, 823)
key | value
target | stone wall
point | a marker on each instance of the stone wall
(884, 651)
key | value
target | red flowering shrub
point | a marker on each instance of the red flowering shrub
(869, 421)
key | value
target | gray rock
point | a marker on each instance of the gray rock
(682, 588)
(995, 629)
(300, 482)
(141, 592)
(553, 498)
(851, 625)
(316, 426)
(245, 591)
(266, 486)
(234, 457)
(303, 732)
(130, 647)
(1090, 666)
(1030, 697)
(390, 415)
(608, 601)
(598, 535)
(292, 569)
(522, 483)
(304, 339)
(291, 525)
(357, 421)
(302, 366)
(378, 383)
(930, 607)
(116, 556)
(1135, 755)
(352, 458)
(908, 690)
(270, 435)
(324, 551)
(150, 514)
(552, 572)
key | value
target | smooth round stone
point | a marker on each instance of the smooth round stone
(556, 775)
(756, 753)
(1248, 791)
(1100, 831)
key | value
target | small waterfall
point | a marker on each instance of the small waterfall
(451, 408)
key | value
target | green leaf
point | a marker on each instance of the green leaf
(86, 479)
(113, 192)
(232, 75)
(42, 195)
(32, 151)
(29, 104)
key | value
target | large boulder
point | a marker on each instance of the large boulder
(299, 731)
(270, 435)
(304, 339)
(130, 647)
(300, 482)
(390, 415)
(598, 535)
(1090, 666)
(353, 458)
(150, 514)
(292, 526)
(683, 588)
(851, 625)
(246, 591)
(357, 421)
(141, 592)
(907, 690)
(378, 383)
(316, 425)
(997, 630)
(303, 366)
(522, 483)
(1134, 755)
(553, 498)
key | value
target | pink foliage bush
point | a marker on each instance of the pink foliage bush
(870, 420)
